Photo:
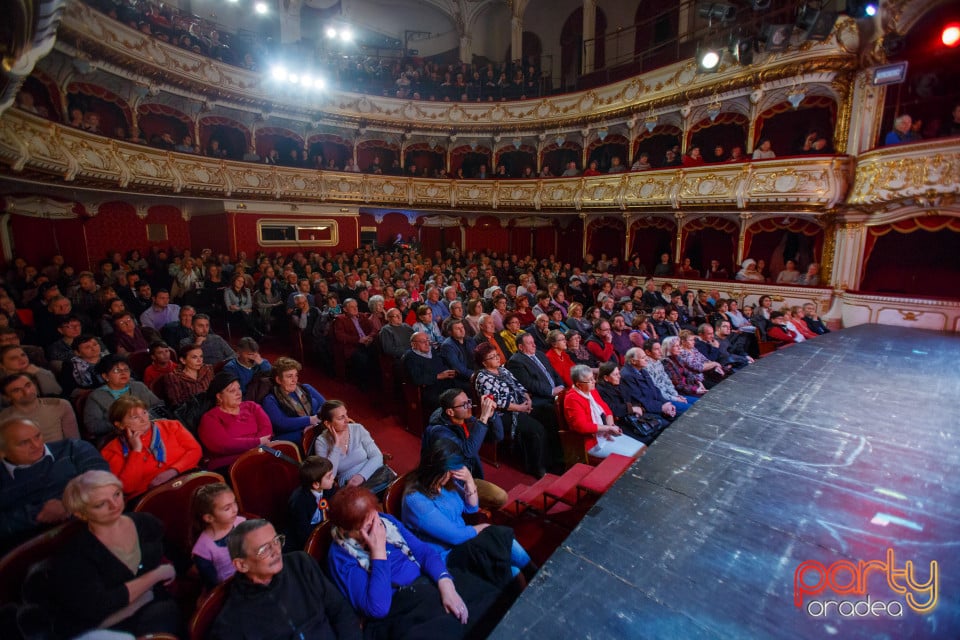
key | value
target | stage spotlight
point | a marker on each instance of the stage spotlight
(815, 23)
(743, 49)
(709, 60)
(717, 11)
(346, 35)
(776, 37)
(331, 32)
(951, 35)
(862, 8)
(261, 8)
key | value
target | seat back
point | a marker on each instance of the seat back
(208, 609)
(572, 444)
(15, 565)
(309, 438)
(263, 482)
(170, 502)
(393, 500)
(318, 544)
(139, 361)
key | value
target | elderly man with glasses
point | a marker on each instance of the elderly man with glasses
(275, 594)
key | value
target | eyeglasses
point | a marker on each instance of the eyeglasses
(264, 549)
(466, 405)
(120, 370)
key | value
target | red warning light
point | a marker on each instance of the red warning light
(951, 35)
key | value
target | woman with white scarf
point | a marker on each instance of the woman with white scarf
(587, 413)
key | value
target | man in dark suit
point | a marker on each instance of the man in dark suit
(532, 369)
(427, 369)
(639, 388)
(456, 351)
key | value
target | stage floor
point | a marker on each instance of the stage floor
(844, 448)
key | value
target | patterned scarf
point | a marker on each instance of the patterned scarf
(299, 405)
(157, 448)
(510, 340)
(361, 555)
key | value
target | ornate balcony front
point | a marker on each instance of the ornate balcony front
(923, 174)
(808, 184)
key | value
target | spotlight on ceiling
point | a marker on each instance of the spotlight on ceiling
(331, 32)
(743, 48)
(709, 60)
(261, 8)
(776, 37)
(814, 22)
(717, 11)
(950, 36)
(862, 8)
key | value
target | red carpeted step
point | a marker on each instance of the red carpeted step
(512, 507)
(534, 496)
(565, 488)
(605, 474)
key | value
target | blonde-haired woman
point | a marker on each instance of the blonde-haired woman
(112, 574)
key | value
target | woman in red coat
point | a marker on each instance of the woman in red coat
(147, 453)
(587, 413)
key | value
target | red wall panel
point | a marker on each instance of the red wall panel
(38, 239)
(392, 224)
(118, 228)
(245, 230)
(487, 235)
(213, 232)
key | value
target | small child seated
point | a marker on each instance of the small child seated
(214, 511)
(308, 502)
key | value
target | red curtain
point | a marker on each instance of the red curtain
(786, 126)
(283, 140)
(919, 259)
(606, 236)
(103, 95)
(488, 235)
(652, 237)
(710, 238)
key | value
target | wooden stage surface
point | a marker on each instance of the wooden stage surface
(839, 449)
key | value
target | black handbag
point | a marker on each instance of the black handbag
(642, 428)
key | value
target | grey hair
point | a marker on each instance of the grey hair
(632, 353)
(667, 343)
(580, 372)
(554, 335)
(239, 534)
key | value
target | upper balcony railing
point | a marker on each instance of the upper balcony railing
(154, 63)
(924, 173)
(811, 184)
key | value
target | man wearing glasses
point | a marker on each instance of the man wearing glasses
(275, 594)
(455, 422)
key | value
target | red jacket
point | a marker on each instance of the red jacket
(345, 333)
(576, 411)
(137, 469)
(781, 334)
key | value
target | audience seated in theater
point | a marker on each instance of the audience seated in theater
(33, 478)
(514, 407)
(685, 380)
(600, 343)
(435, 500)
(162, 361)
(114, 370)
(557, 355)
(748, 272)
(350, 448)
(309, 502)
(312, 606)
(585, 412)
(812, 276)
(797, 322)
(233, 426)
(653, 365)
(395, 335)
(54, 416)
(292, 407)
(812, 319)
(248, 363)
(238, 302)
(454, 422)
(191, 377)
(456, 351)
(639, 388)
(161, 313)
(578, 351)
(13, 359)
(451, 604)
(213, 510)
(60, 351)
(425, 367)
(711, 348)
(215, 349)
(764, 150)
(789, 275)
(355, 333)
(534, 372)
(146, 453)
(127, 336)
(693, 158)
(112, 575)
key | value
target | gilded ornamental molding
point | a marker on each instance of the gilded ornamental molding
(29, 143)
(923, 174)
(93, 33)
